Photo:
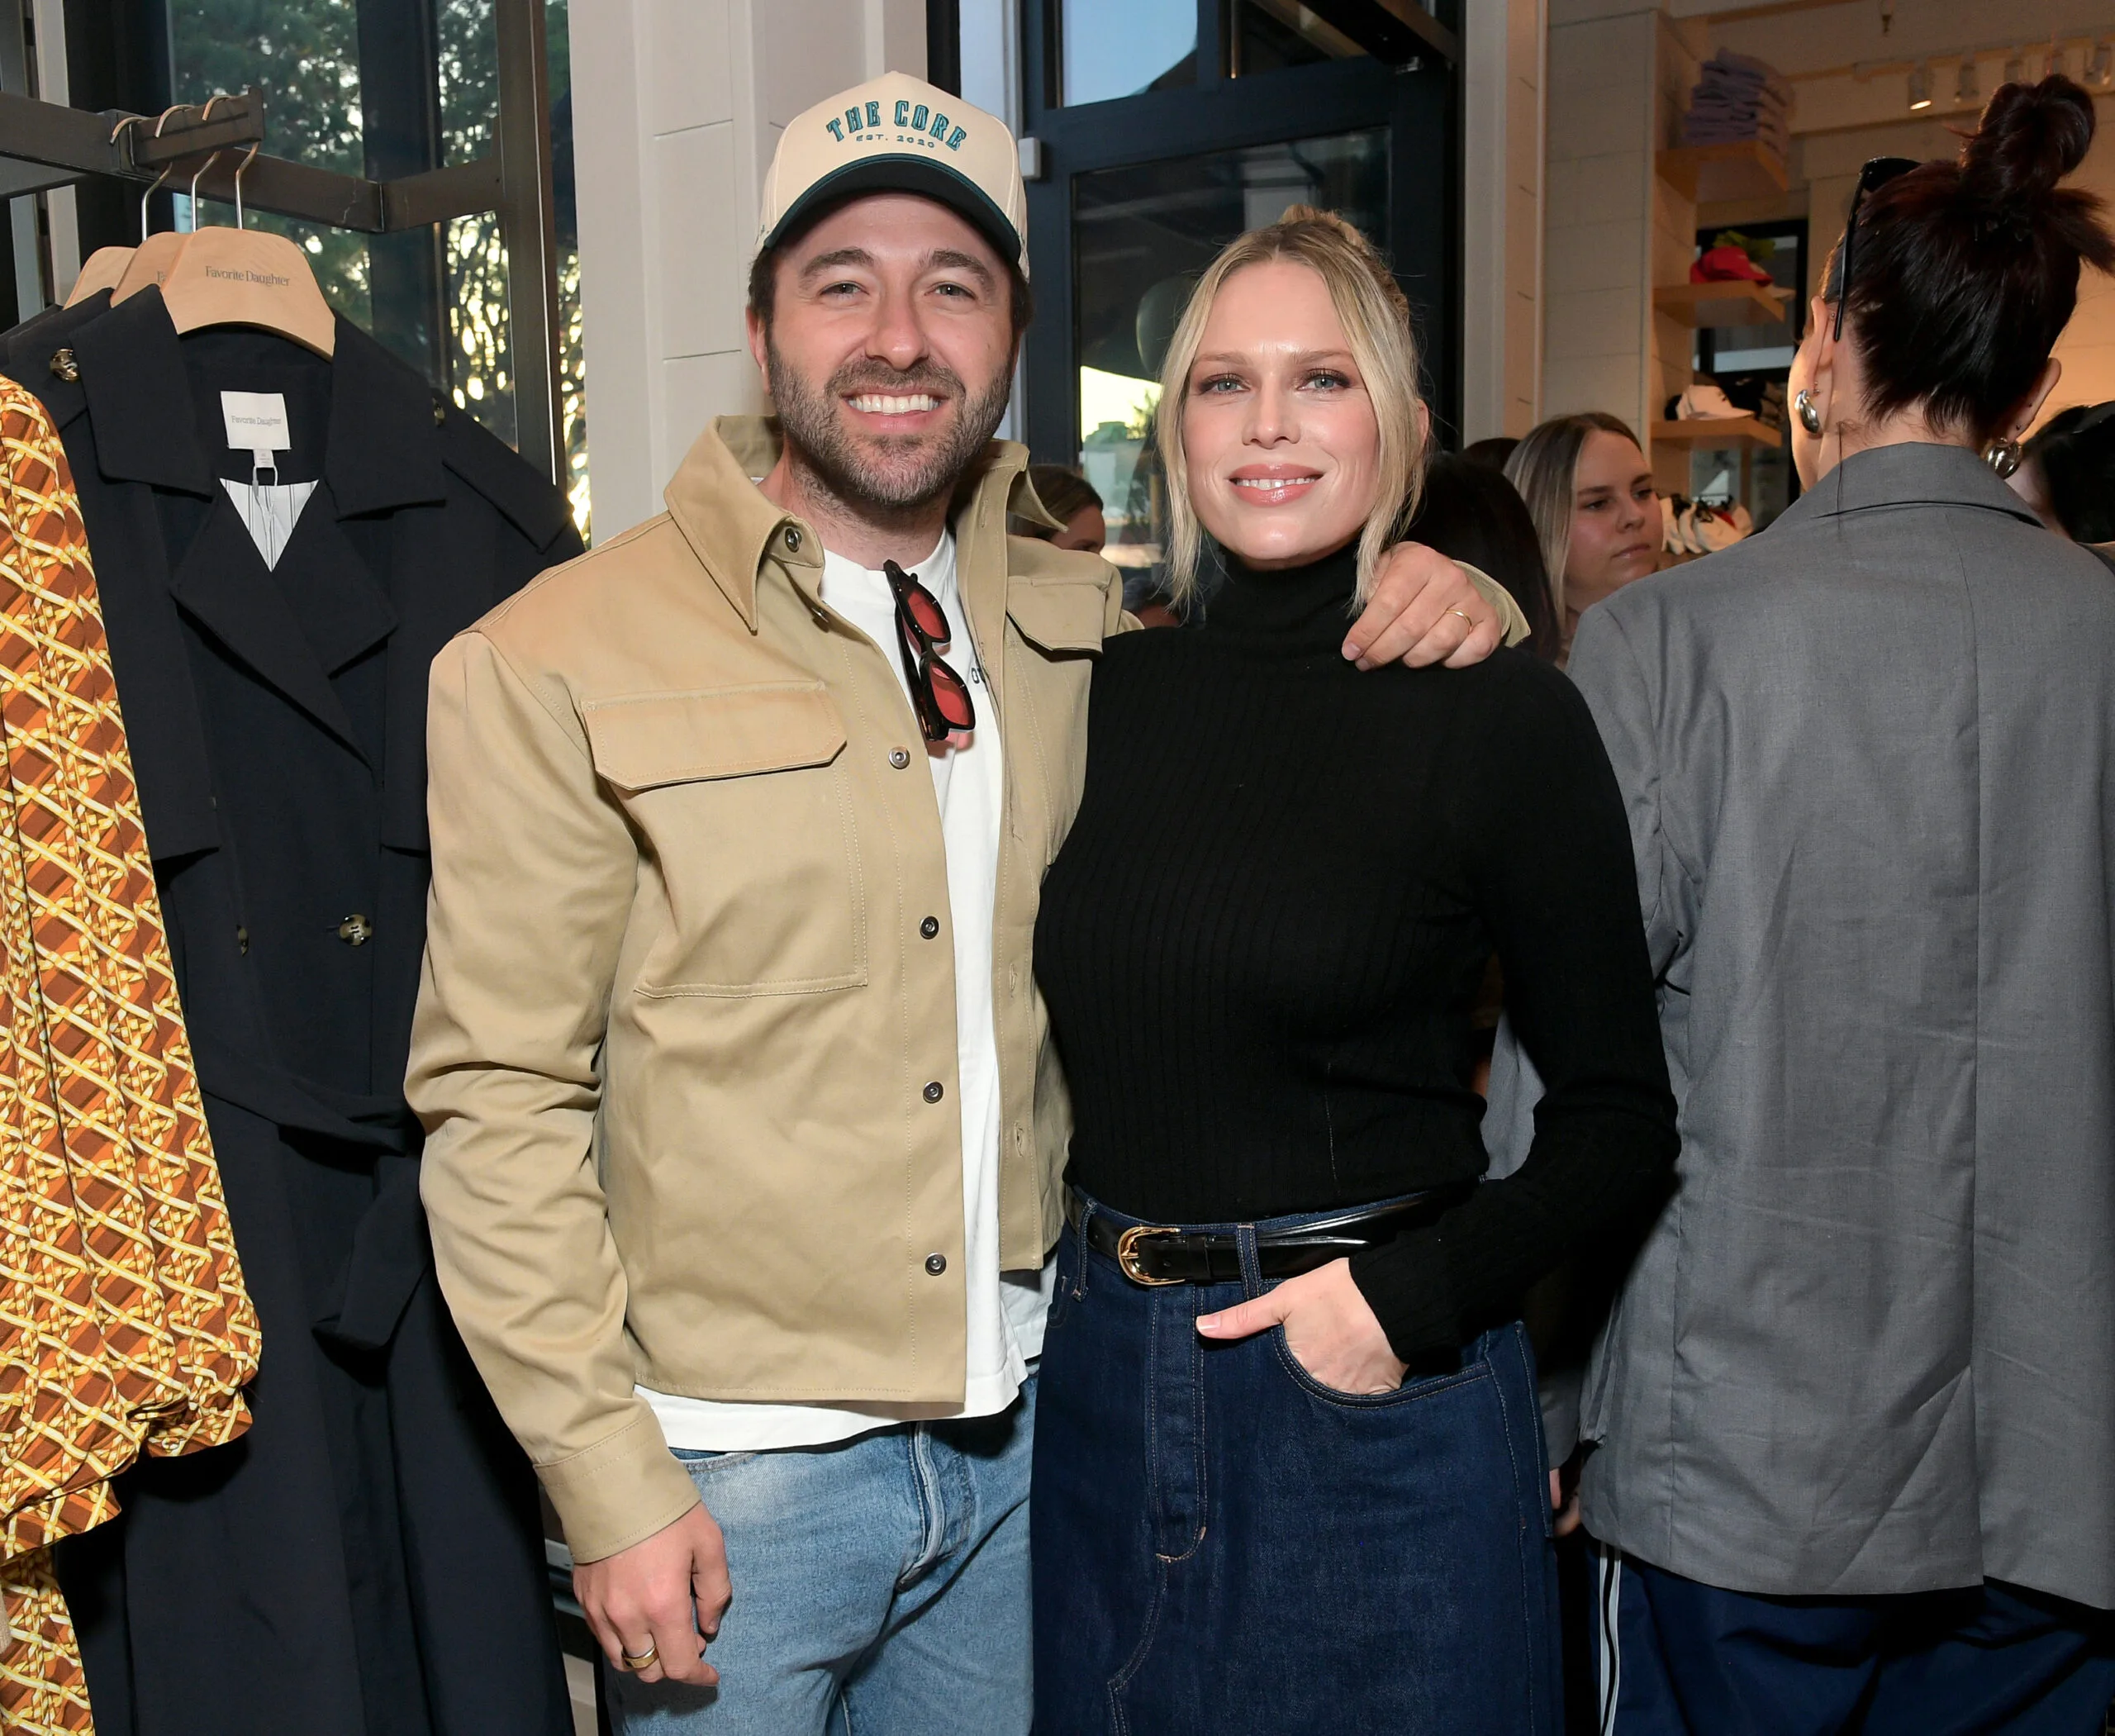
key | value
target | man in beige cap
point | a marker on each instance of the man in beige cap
(744, 1131)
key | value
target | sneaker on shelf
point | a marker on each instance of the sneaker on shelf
(1716, 529)
(1705, 401)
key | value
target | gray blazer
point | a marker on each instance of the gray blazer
(1870, 761)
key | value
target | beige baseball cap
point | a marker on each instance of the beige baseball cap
(898, 134)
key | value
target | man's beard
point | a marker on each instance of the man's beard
(892, 473)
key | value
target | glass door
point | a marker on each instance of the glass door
(1166, 127)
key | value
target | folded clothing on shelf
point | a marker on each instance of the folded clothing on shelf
(1739, 97)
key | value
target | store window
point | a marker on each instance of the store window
(1120, 48)
(389, 88)
(1143, 233)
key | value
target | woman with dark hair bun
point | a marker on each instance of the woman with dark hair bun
(1849, 1424)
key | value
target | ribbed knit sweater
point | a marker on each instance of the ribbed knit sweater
(1262, 939)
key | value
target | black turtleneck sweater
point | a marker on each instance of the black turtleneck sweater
(1262, 939)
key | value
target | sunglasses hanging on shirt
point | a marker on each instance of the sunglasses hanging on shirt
(938, 694)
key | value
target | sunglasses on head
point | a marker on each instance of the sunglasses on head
(1873, 177)
(939, 696)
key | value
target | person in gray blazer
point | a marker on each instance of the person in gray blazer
(1851, 1422)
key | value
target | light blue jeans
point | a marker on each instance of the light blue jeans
(881, 1589)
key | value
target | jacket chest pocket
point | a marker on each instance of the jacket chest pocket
(742, 803)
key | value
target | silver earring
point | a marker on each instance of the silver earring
(2003, 456)
(1804, 408)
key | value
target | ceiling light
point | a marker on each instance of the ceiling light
(1965, 89)
(1920, 89)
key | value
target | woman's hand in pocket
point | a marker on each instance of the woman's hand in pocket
(1329, 1328)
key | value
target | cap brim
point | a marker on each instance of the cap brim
(900, 172)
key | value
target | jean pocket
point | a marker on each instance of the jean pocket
(1418, 1387)
(701, 1463)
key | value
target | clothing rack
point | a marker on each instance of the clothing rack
(46, 144)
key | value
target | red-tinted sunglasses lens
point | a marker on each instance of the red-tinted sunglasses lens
(925, 609)
(950, 696)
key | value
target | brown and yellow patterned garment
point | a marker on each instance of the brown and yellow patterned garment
(124, 1325)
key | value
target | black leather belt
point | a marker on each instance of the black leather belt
(1148, 1254)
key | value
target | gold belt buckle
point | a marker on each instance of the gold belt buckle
(1127, 1254)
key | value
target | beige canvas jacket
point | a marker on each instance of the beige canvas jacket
(685, 1049)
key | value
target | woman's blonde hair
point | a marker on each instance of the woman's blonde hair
(1376, 320)
(1544, 467)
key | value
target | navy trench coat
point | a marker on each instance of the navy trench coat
(370, 1554)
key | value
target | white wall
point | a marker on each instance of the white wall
(1598, 211)
(1502, 217)
(677, 105)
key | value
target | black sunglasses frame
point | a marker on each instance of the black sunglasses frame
(919, 666)
(1876, 173)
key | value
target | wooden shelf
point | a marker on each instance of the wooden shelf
(1744, 168)
(1731, 431)
(1734, 303)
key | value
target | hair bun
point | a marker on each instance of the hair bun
(2032, 135)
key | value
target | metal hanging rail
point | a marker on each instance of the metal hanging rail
(46, 144)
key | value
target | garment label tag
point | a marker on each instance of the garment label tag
(257, 424)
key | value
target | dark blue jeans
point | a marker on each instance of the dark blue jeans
(1223, 1544)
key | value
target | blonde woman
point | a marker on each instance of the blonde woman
(1588, 489)
(1288, 1469)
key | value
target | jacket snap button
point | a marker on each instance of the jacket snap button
(898, 758)
(356, 930)
(935, 1091)
(929, 927)
(936, 1263)
(792, 540)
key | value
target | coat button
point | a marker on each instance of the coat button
(935, 1264)
(242, 939)
(929, 927)
(898, 758)
(934, 1091)
(792, 540)
(356, 930)
(64, 365)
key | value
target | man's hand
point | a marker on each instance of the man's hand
(1329, 1328)
(1424, 609)
(660, 1596)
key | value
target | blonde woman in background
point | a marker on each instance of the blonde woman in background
(1588, 489)
(1289, 1471)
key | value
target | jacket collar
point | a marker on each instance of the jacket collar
(732, 526)
(382, 450)
(1912, 474)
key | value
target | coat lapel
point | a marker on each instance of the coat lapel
(341, 610)
(222, 584)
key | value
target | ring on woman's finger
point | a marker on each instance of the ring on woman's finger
(642, 1660)
(1465, 616)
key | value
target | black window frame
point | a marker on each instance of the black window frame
(1419, 100)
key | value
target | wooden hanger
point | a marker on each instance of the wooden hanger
(106, 265)
(152, 258)
(248, 277)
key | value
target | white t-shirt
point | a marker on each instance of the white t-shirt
(1006, 1309)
